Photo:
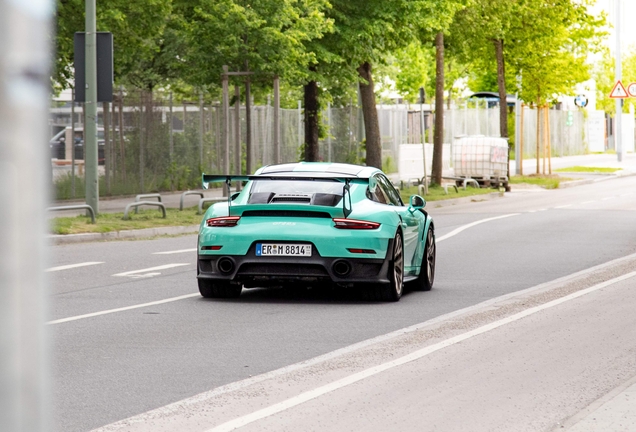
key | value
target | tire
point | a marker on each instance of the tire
(424, 281)
(392, 291)
(209, 289)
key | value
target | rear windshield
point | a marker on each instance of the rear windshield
(297, 187)
(312, 192)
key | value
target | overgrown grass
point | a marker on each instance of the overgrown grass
(583, 169)
(547, 182)
(436, 193)
(108, 222)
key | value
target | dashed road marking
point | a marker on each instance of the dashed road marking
(110, 311)
(462, 228)
(139, 273)
(564, 206)
(175, 251)
(72, 266)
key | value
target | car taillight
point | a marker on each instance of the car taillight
(227, 221)
(355, 224)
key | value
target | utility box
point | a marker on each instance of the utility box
(482, 158)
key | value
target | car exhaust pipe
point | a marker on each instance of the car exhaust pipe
(225, 265)
(341, 268)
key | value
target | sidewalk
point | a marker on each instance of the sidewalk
(593, 160)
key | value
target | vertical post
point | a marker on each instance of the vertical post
(106, 117)
(226, 126)
(24, 96)
(201, 129)
(90, 107)
(538, 138)
(171, 128)
(423, 140)
(329, 133)
(248, 127)
(113, 146)
(520, 160)
(122, 149)
(72, 143)
(142, 134)
(518, 127)
(237, 129)
(619, 102)
(548, 139)
(276, 119)
(300, 123)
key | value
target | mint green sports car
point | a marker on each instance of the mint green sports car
(315, 223)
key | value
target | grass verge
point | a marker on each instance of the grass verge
(582, 169)
(547, 181)
(436, 193)
(109, 222)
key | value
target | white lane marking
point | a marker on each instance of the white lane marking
(608, 198)
(351, 379)
(563, 206)
(462, 228)
(151, 269)
(628, 194)
(175, 251)
(542, 210)
(587, 202)
(110, 311)
(71, 266)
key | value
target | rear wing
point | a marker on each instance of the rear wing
(227, 179)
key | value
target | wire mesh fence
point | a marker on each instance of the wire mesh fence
(152, 142)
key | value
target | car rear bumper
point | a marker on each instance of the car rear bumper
(256, 271)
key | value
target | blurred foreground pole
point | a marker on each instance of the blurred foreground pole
(25, 45)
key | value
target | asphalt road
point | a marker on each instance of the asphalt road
(115, 365)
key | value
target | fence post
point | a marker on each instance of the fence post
(226, 126)
(276, 119)
(122, 149)
(329, 145)
(237, 130)
(141, 141)
(106, 114)
(72, 143)
(201, 128)
(300, 121)
(171, 129)
(248, 127)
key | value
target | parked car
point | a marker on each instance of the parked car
(315, 223)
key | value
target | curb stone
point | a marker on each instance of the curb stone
(59, 239)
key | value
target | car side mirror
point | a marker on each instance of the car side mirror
(416, 203)
(234, 195)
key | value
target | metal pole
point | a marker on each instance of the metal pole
(619, 102)
(72, 143)
(329, 145)
(422, 139)
(300, 123)
(106, 120)
(276, 120)
(122, 149)
(90, 107)
(201, 129)
(226, 126)
(237, 130)
(248, 127)
(518, 155)
(24, 191)
(171, 126)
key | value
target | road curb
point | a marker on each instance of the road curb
(59, 239)
(606, 177)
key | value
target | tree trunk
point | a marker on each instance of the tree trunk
(501, 84)
(312, 115)
(370, 114)
(438, 137)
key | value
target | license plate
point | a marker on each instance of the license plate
(270, 249)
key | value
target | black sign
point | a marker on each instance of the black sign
(105, 68)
